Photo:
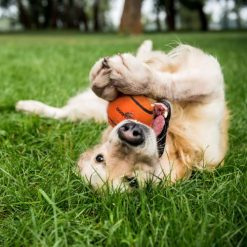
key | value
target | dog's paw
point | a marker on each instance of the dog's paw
(100, 80)
(96, 69)
(120, 73)
(30, 106)
(128, 74)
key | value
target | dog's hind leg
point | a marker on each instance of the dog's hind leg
(82, 107)
(144, 49)
(39, 108)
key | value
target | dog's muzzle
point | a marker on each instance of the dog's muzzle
(133, 133)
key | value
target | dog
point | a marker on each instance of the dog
(197, 137)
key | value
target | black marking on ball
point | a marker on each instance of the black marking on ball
(141, 106)
(126, 115)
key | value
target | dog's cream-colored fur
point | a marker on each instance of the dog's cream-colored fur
(197, 137)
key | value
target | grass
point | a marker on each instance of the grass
(42, 201)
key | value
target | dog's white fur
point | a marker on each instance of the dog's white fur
(190, 79)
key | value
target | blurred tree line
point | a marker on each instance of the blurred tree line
(66, 14)
(92, 15)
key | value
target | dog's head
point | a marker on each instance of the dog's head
(129, 153)
(128, 156)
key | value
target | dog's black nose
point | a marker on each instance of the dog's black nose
(132, 133)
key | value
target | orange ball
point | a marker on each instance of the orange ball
(130, 107)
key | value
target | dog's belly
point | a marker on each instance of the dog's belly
(204, 122)
(196, 134)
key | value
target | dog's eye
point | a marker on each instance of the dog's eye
(99, 158)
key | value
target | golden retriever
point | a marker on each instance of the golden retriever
(188, 78)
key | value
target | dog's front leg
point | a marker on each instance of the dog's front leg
(128, 75)
(200, 80)
(122, 73)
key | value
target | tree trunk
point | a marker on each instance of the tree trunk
(35, 11)
(54, 15)
(237, 11)
(225, 18)
(203, 18)
(96, 23)
(84, 19)
(24, 17)
(158, 26)
(131, 17)
(170, 14)
(48, 11)
(197, 6)
(70, 17)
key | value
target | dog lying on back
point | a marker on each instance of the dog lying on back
(193, 83)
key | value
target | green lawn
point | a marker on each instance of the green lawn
(42, 201)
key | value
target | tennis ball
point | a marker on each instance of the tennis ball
(138, 108)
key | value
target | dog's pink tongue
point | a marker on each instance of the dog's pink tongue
(158, 124)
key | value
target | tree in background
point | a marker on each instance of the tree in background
(157, 10)
(238, 5)
(96, 21)
(169, 7)
(170, 14)
(66, 14)
(131, 17)
(39, 14)
(23, 15)
(91, 15)
(100, 9)
(197, 5)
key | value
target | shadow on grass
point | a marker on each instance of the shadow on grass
(7, 108)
